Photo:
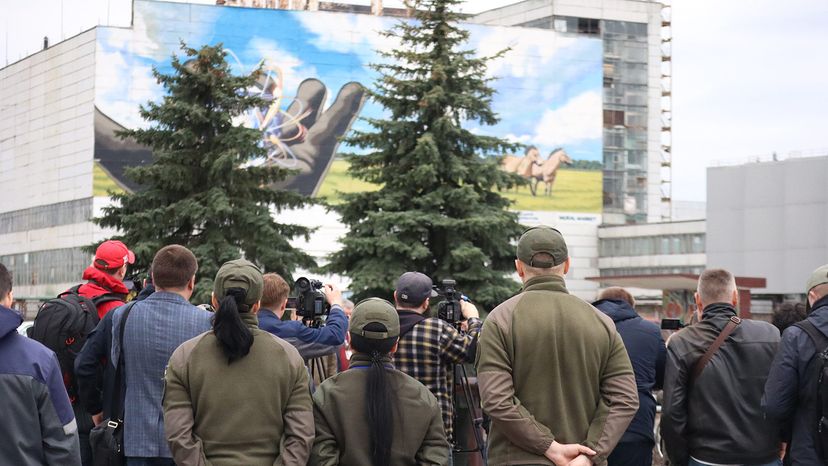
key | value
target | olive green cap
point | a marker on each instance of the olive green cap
(818, 277)
(375, 310)
(542, 239)
(242, 274)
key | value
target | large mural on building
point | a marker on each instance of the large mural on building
(316, 63)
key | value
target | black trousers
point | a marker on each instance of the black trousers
(85, 425)
(638, 453)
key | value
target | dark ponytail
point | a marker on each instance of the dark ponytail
(231, 332)
(378, 402)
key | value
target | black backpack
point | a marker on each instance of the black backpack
(821, 371)
(62, 325)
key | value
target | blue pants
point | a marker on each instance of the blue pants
(141, 461)
(632, 454)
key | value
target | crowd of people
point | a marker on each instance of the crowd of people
(561, 381)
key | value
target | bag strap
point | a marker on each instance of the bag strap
(711, 351)
(117, 402)
(819, 338)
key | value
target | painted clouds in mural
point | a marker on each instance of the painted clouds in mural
(548, 88)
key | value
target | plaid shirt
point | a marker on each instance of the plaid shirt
(427, 353)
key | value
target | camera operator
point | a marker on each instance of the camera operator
(430, 347)
(312, 342)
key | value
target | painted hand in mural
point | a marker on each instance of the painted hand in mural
(303, 136)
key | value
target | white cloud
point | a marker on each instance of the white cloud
(293, 69)
(522, 139)
(531, 49)
(577, 120)
(349, 33)
(121, 86)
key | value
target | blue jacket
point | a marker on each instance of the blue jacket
(647, 355)
(38, 426)
(311, 342)
(790, 391)
(155, 327)
(95, 391)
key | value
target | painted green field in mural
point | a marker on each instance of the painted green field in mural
(103, 183)
(573, 191)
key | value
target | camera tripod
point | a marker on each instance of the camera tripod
(460, 375)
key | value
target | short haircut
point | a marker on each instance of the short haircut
(619, 294)
(716, 286)
(275, 291)
(787, 314)
(820, 291)
(5, 281)
(538, 271)
(173, 267)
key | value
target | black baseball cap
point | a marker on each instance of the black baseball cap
(413, 288)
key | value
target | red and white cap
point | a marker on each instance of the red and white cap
(113, 254)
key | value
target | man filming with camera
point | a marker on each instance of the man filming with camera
(429, 348)
(312, 340)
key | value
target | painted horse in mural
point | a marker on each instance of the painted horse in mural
(547, 170)
(522, 165)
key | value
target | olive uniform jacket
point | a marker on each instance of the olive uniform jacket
(254, 411)
(342, 432)
(552, 367)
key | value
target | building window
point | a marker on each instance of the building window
(613, 118)
(688, 243)
(589, 26)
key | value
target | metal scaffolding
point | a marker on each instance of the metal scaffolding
(666, 110)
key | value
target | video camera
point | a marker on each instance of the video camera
(449, 309)
(671, 324)
(311, 304)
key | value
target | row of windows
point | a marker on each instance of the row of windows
(615, 30)
(633, 271)
(62, 213)
(626, 94)
(620, 160)
(689, 243)
(47, 267)
(625, 138)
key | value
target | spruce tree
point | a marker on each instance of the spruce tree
(438, 210)
(199, 191)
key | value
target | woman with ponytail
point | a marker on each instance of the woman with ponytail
(237, 395)
(373, 414)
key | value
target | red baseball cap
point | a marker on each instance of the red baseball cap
(113, 254)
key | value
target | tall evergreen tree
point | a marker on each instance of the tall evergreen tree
(437, 210)
(200, 191)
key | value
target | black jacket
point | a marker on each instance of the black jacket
(647, 355)
(790, 391)
(719, 419)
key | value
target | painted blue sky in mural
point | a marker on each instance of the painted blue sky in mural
(548, 89)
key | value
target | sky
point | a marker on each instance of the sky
(749, 75)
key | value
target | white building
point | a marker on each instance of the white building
(47, 145)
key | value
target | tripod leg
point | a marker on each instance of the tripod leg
(477, 422)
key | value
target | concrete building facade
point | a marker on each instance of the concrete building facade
(769, 219)
(46, 167)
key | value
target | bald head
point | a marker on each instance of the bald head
(716, 286)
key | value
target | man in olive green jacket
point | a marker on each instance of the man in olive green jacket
(252, 410)
(553, 372)
(343, 425)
